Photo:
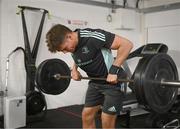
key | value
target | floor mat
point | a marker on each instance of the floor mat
(70, 117)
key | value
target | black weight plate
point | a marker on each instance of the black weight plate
(155, 120)
(35, 103)
(45, 80)
(159, 98)
(137, 85)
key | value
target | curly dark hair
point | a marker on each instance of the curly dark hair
(55, 36)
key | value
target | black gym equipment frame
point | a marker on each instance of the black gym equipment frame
(31, 55)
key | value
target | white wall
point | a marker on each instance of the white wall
(0, 41)
(165, 27)
(0, 59)
(12, 37)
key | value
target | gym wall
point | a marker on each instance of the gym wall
(0, 59)
(164, 27)
(12, 37)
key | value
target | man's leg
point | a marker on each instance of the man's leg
(111, 107)
(94, 98)
(88, 116)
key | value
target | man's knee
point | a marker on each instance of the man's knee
(89, 113)
(108, 120)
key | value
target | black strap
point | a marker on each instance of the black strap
(114, 69)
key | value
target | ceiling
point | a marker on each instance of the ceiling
(144, 6)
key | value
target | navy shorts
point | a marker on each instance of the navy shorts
(109, 96)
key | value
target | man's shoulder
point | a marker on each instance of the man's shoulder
(91, 29)
(86, 29)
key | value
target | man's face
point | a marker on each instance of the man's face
(68, 44)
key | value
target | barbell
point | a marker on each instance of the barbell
(154, 81)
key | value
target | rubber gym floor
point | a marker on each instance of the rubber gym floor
(70, 117)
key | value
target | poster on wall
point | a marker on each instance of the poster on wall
(71, 23)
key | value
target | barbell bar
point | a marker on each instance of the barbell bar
(59, 76)
(155, 80)
(170, 83)
(161, 82)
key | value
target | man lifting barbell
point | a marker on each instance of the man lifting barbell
(91, 51)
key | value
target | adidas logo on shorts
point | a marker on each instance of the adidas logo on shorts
(112, 109)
